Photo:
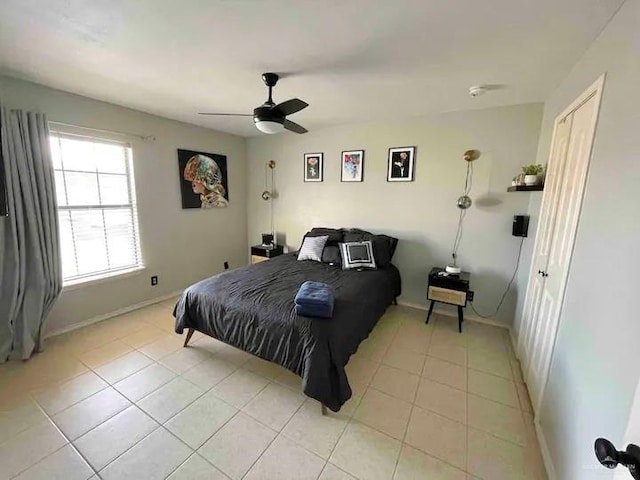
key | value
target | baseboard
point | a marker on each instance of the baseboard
(544, 451)
(447, 313)
(115, 313)
(514, 342)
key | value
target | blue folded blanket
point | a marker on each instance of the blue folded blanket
(314, 299)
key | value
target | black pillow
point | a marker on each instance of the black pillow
(355, 235)
(331, 255)
(384, 246)
(335, 235)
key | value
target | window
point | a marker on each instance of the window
(96, 207)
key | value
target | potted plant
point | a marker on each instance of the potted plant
(532, 174)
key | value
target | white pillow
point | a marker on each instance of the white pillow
(312, 248)
(357, 255)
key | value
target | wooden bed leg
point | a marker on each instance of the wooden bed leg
(189, 335)
(323, 409)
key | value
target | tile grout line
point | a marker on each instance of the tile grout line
(129, 448)
(195, 451)
(69, 443)
(75, 403)
(285, 436)
(112, 384)
(413, 404)
(238, 410)
(270, 381)
(160, 425)
(57, 384)
(265, 449)
(395, 335)
(350, 419)
(111, 417)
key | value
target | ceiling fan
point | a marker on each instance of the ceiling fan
(269, 117)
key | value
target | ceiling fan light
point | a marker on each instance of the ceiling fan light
(270, 127)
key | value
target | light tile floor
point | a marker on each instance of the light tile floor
(122, 399)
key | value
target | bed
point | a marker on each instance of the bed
(252, 308)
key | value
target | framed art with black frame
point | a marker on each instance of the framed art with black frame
(352, 166)
(313, 167)
(401, 164)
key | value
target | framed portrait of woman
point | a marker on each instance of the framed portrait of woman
(401, 164)
(203, 179)
(313, 167)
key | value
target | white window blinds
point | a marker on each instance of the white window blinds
(96, 206)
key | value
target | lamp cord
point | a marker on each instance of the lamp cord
(463, 212)
(269, 189)
(469, 179)
(265, 177)
(271, 203)
(504, 295)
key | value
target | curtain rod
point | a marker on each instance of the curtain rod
(146, 138)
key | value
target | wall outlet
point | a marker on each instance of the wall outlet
(154, 280)
(470, 295)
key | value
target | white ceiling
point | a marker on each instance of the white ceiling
(352, 60)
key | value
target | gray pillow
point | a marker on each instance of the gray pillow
(312, 248)
(357, 255)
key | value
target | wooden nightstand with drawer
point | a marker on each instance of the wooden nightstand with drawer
(449, 288)
(260, 253)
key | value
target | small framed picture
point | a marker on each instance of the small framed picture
(352, 166)
(313, 167)
(401, 163)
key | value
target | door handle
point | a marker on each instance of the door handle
(610, 457)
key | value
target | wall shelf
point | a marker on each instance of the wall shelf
(526, 188)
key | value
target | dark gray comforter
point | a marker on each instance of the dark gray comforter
(252, 308)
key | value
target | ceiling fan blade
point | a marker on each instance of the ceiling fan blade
(291, 106)
(294, 127)
(227, 114)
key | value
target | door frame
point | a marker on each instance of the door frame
(594, 90)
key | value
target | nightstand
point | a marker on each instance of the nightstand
(451, 289)
(260, 253)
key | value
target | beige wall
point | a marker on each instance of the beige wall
(180, 246)
(596, 364)
(423, 213)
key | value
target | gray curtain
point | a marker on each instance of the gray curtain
(30, 269)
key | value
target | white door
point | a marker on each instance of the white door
(559, 215)
(538, 297)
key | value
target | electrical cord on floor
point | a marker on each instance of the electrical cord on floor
(504, 295)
